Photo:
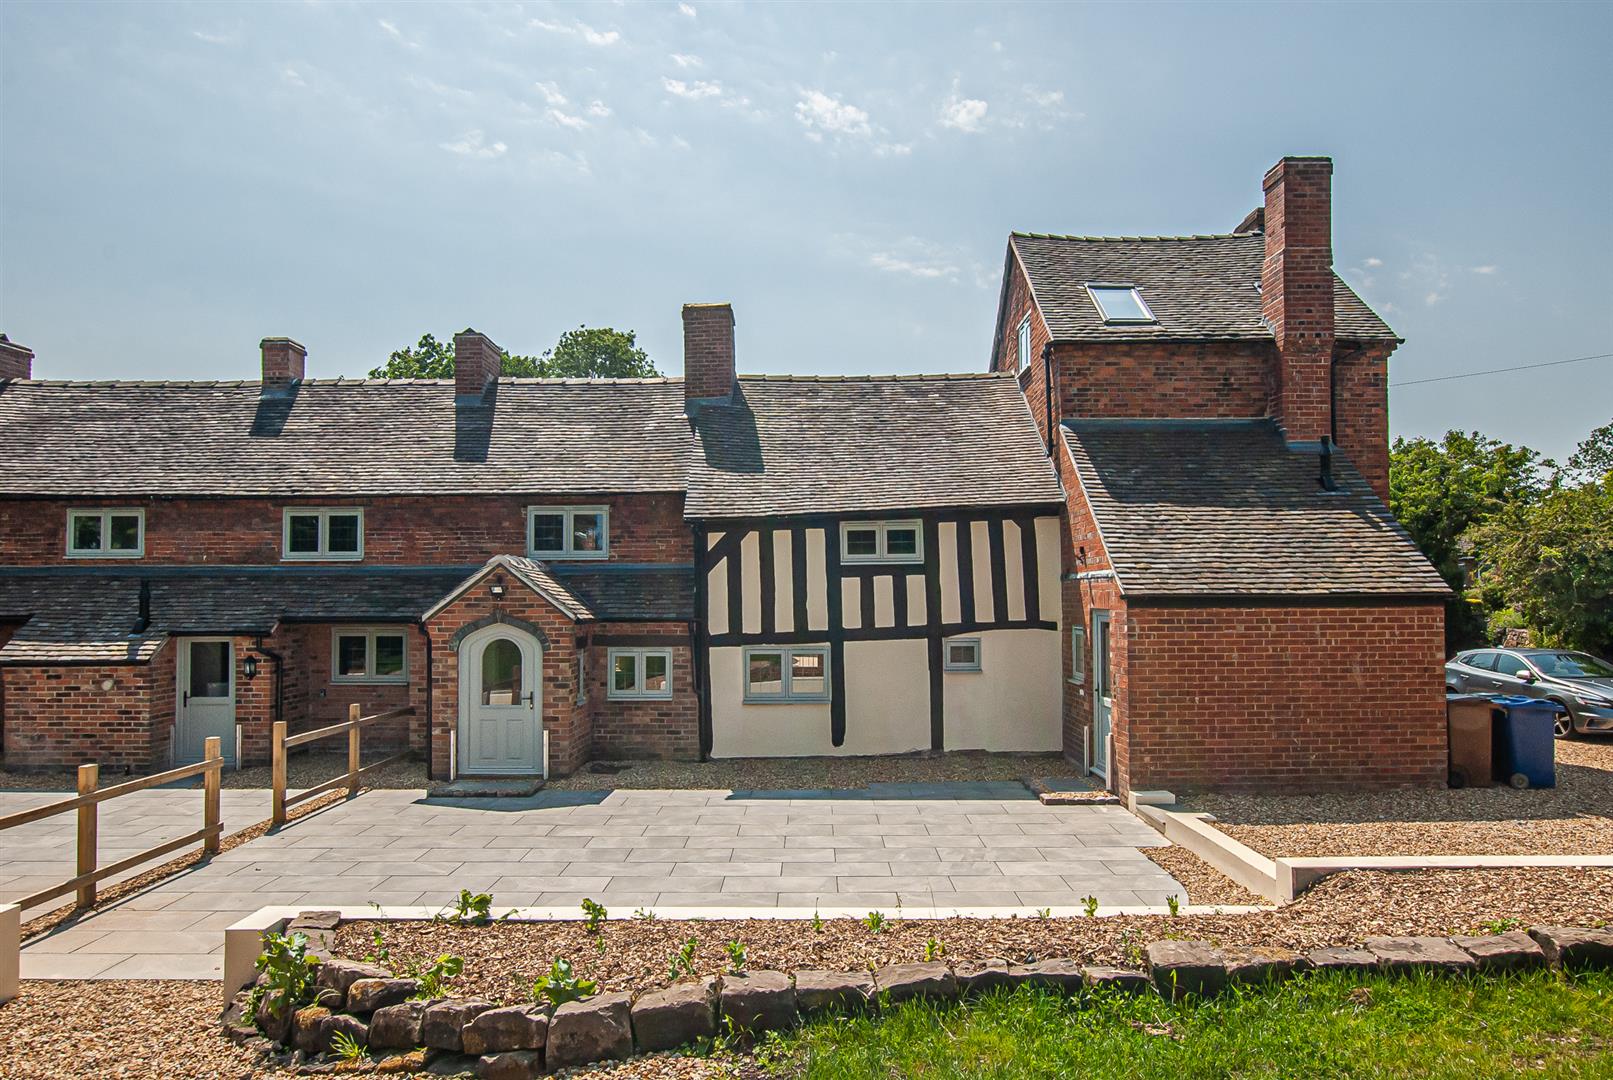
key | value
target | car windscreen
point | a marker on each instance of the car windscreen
(1572, 665)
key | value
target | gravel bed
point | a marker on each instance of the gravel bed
(302, 771)
(1575, 817)
(793, 774)
(503, 960)
(1203, 882)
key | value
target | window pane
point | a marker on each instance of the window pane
(389, 654)
(961, 655)
(303, 536)
(862, 541)
(343, 533)
(87, 532)
(548, 532)
(209, 669)
(125, 532)
(766, 674)
(350, 654)
(1078, 650)
(501, 673)
(903, 541)
(655, 677)
(624, 671)
(1120, 304)
(588, 532)
(806, 673)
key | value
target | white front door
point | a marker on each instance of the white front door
(500, 704)
(1102, 695)
(206, 698)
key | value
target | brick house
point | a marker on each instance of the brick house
(1242, 609)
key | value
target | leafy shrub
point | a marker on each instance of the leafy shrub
(561, 985)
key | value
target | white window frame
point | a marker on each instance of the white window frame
(106, 514)
(638, 693)
(324, 554)
(1137, 294)
(786, 695)
(566, 513)
(369, 634)
(881, 554)
(948, 664)
(1078, 656)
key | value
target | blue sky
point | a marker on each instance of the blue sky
(178, 181)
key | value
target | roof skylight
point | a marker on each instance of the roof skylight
(1119, 303)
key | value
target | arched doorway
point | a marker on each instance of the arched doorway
(501, 703)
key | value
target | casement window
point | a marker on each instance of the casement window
(362, 654)
(106, 534)
(568, 532)
(321, 534)
(960, 654)
(779, 674)
(1078, 654)
(640, 673)
(1119, 303)
(882, 541)
(1025, 343)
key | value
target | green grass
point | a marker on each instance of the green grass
(1541, 1023)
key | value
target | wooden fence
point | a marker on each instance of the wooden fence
(354, 727)
(91, 795)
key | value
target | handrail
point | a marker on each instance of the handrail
(353, 726)
(87, 803)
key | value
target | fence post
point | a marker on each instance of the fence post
(212, 780)
(277, 815)
(352, 750)
(89, 778)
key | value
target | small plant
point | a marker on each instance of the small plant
(1174, 904)
(876, 922)
(736, 957)
(1044, 913)
(562, 985)
(817, 922)
(470, 909)
(933, 950)
(682, 962)
(290, 971)
(379, 953)
(644, 914)
(436, 975)
(593, 915)
(346, 1048)
(1089, 904)
(1500, 926)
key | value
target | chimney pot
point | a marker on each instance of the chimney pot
(708, 354)
(1296, 293)
(283, 364)
(477, 364)
(16, 361)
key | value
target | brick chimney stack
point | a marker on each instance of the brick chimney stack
(708, 354)
(283, 363)
(1296, 293)
(16, 361)
(477, 363)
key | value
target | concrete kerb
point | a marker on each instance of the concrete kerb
(1194, 832)
(10, 951)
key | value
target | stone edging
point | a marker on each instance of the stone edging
(1282, 880)
(520, 1042)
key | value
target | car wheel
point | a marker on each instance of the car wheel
(1563, 722)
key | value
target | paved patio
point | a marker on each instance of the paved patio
(890, 846)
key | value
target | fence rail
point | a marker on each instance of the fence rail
(353, 726)
(87, 803)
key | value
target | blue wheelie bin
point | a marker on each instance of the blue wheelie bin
(1524, 747)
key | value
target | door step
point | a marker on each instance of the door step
(492, 788)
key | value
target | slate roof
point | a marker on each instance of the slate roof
(809, 445)
(348, 437)
(630, 592)
(1224, 508)
(1198, 287)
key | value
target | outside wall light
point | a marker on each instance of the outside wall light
(249, 667)
(496, 590)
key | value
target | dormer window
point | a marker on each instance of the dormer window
(1119, 303)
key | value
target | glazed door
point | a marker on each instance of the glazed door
(206, 698)
(499, 729)
(1102, 694)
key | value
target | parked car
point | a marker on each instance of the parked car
(1578, 683)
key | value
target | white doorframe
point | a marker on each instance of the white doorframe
(213, 714)
(1102, 695)
(473, 711)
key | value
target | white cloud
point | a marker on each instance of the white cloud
(598, 109)
(551, 92)
(566, 120)
(822, 114)
(216, 39)
(692, 91)
(964, 114)
(474, 144)
(687, 11)
(1486, 269)
(578, 29)
(886, 149)
(896, 264)
(1373, 262)
(1433, 298)
(393, 32)
(293, 77)
(687, 60)
(1045, 99)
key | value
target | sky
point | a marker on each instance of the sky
(178, 181)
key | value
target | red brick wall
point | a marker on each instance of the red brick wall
(1285, 697)
(62, 716)
(708, 350)
(320, 701)
(1296, 291)
(643, 729)
(427, 530)
(1204, 380)
(1031, 381)
(1361, 415)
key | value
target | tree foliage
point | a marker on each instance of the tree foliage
(584, 353)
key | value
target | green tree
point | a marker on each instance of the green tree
(583, 353)
(1593, 458)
